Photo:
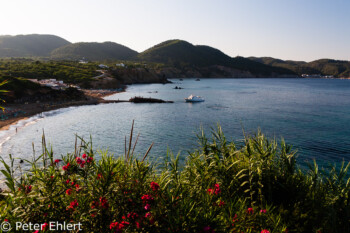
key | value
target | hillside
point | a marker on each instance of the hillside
(30, 45)
(22, 90)
(94, 51)
(204, 60)
(339, 69)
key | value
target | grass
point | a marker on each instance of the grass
(223, 187)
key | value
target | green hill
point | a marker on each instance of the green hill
(94, 51)
(323, 66)
(30, 45)
(181, 54)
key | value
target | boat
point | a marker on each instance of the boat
(193, 98)
(198, 79)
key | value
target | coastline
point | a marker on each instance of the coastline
(31, 109)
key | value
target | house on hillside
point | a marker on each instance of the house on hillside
(120, 65)
(102, 66)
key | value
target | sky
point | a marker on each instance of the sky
(302, 30)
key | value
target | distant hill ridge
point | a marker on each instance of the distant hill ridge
(33, 45)
(182, 54)
(188, 59)
(93, 51)
(336, 68)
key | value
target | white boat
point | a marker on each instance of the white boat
(193, 98)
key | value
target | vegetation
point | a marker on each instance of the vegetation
(68, 71)
(94, 52)
(182, 54)
(323, 66)
(223, 187)
(30, 45)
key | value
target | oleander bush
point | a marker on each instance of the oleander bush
(255, 186)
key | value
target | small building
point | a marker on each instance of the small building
(102, 66)
(120, 65)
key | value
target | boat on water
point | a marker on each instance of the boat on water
(198, 79)
(193, 98)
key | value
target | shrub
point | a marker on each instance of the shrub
(223, 187)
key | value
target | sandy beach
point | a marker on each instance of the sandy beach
(24, 111)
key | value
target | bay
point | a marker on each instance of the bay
(313, 115)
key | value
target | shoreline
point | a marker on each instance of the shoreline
(32, 109)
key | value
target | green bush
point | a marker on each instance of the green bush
(223, 187)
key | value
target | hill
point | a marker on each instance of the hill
(206, 60)
(33, 45)
(336, 68)
(94, 51)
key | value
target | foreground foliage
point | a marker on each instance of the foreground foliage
(223, 187)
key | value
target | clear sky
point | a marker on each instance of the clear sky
(287, 29)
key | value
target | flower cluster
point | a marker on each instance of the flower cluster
(118, 227)
(104, 202)
(250, 210)
(154, 186)
(73, 205)
(82, 161)
(215, 190)
(66, 167)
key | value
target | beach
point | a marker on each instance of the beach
(20, 112)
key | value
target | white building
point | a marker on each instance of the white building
(102, 66)
(120, 65)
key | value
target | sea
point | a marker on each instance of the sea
(312, 115)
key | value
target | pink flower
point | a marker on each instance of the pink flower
(79, 161)
(216, 190)
(118, 227)
(94, 204)
(66, 167)
(73, 204)
(43, 226)
(154, 186)
(149, 216)
(133, 215)
(104, 202)
(147, 207)
(57, 161)
(6, 220)
(235, 218)
(99, 176)
(221, 203)
(250, 210)
(89, 160)
(147, 198)
(263, 211)
(82, 164)
(68, 191)
(265, 231)
(84, 156)
(28, 189)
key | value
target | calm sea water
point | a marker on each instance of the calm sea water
(311, 114)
